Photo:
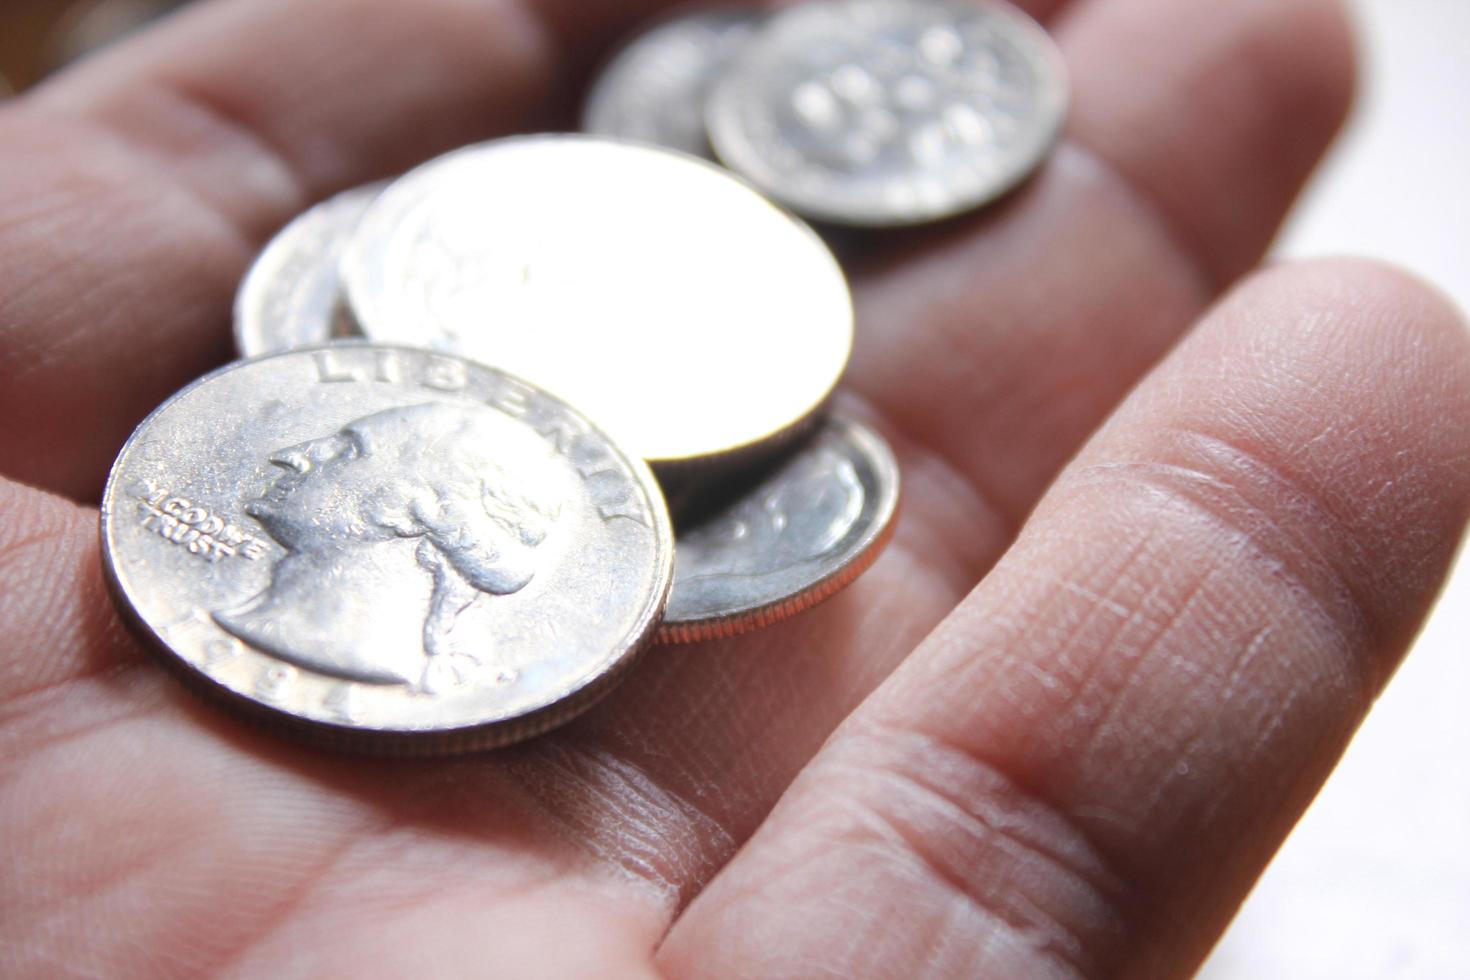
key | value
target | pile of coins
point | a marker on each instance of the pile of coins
(429, 510)
(864, 113)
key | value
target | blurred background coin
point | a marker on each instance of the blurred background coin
(803, 533)
(93, 24)
(693, 319)
(890, 112)
(655, 89)
(292, 296)
(387, 550)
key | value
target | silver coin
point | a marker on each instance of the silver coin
(891, 112)
(689, 316)
(654, 90)
(799, 537)
(292, 296)
(387, 550)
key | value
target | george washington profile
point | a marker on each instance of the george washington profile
(393, 527)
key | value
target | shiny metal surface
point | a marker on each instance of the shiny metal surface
(655, 89)
(890, 112)
(292, 296)
(804, 533)
(386, 550)
(667, 300)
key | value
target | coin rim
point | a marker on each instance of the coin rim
(879, 455)
(737, 151)
(260, 284)
(396, 742)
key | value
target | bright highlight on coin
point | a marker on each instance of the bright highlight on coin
(797, 538)
(655, 89)
(669, 301)
(292, 296)
(890, 112)
(384, 549)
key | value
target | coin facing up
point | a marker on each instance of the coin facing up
(692, 318)
(655, 89)
(387, 550)
(804, 533)
(890, 112)
(292, 296)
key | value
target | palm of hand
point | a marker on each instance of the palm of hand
(1080, 765)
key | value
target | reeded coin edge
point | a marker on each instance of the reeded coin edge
(779, 610)
(740, 156)
(382, 742)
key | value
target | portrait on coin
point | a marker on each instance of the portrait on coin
(394, 526)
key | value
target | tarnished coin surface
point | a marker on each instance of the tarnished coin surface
(692, 318)
(292, 296)
(655, 89)
(386, 550)
(800, 536)
(890, 112)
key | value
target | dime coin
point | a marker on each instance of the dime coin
(386, 550)
(292, 296)
(655, 89)
(799, 537)
(690, 317)
(890, 112)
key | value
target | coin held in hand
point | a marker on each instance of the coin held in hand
(804, 532)
(292, 296)
(389, 550)
(656, 88)
(890, 112)
(693, 319)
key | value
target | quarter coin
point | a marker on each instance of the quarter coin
(890, 112)
(654, 90)
(799, 537)
(292, 296)
(386, 550)
(692, 318)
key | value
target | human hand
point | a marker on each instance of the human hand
(1071, 760)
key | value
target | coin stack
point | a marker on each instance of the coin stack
(429, 511)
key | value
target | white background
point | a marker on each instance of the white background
(1375, 882)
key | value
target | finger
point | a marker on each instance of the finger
(1177, 138)
(1083, 769)
(992, 352)
(56, 620)
(1028, 325)
(634, 782)
(138, 186)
